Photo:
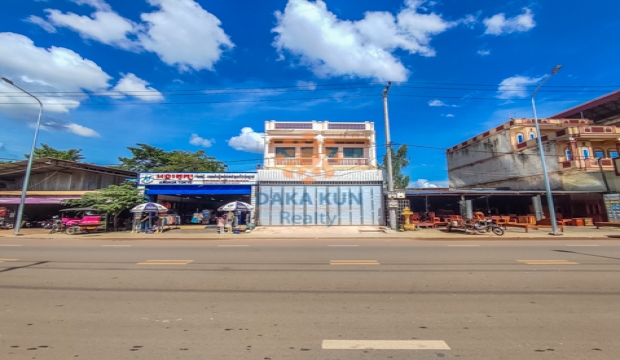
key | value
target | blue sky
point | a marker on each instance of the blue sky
(191, 74)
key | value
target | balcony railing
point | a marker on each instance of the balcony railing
(295, 161)
(582, 163)
(316, 162)
(347, 162)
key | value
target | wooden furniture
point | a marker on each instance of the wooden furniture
(526, 219)
(599, 224)
(541, 224)
(578, 222)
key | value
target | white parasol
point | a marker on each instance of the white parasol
(150, 208)
(236, 205)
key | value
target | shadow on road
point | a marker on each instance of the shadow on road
(578, 253)
(25, 266)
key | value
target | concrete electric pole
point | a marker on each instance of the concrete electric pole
(388, 144)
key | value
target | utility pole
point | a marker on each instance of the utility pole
(22, 201)
(541, 150)
(388, 144)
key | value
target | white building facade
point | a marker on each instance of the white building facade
(320, 173)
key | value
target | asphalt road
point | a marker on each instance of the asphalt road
(278, 299)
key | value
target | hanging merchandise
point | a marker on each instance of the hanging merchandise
(197, 218)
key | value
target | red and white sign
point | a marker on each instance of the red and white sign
(197, 178)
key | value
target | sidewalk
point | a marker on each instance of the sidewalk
(315, 232)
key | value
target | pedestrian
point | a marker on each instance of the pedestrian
(221, 222)
(144, 222)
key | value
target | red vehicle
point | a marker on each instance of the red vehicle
(80, 220)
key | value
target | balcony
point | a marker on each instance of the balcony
(347, 162)
(295, 161)
(586, 164)
(316, 162)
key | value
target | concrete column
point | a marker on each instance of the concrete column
(266, 159)
(574, 152)
(321, 143)
(538, 210)
(372, 151)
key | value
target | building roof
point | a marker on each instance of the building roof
(604, 108)
(486, 192)
(44, 165)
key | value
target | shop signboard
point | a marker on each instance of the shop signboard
(197, 179)
(612, 204)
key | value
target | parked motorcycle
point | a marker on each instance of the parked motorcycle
(58, 225)
(487, 226)
(474, 226)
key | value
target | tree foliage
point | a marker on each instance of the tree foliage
(399, 162)
(112, 200)
(48, 151)
(147, 158)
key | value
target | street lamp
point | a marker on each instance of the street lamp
(388, 160)
(22, 202)
(554, 223)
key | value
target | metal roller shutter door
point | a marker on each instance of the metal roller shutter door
(321, 205)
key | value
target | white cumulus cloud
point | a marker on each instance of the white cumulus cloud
(44, 24)
(308, 85)
(516, 87)
(248, 140)
(499, 25)
(184, 34)
(439, 103)
(180, 32)
(199, 141)
(104, 26)
(97, 4)
(82, 130)
(54, 69)
(364, 48)
(425, 184)
(484, 52)
(131, 85)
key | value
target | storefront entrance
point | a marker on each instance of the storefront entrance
(196, 197)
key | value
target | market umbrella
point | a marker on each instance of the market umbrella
(236, 206)
(149, 208)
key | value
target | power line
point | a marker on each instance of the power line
(313, 87)
(282, 100)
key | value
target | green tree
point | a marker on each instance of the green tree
(147, 158)
(112, 200)
(399, 162)
(48, 151)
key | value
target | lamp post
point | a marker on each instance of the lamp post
(388, 143)
(554, 223)
(22, 202)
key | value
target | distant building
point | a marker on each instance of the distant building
(581, 147)
(507, 156)
(52, 182)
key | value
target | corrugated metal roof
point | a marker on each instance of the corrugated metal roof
(320, 175)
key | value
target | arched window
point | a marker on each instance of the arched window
(532, 135)
(586, 153)
(520, 138)
(599, 153)
(613, 153)
(569, 156)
